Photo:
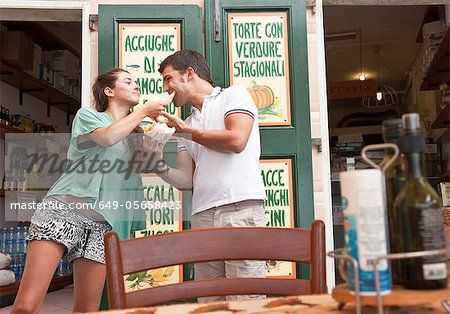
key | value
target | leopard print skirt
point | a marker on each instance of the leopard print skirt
(81, 236)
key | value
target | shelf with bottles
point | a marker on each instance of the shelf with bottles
(19, 124)
(12, 242)
(4, 128)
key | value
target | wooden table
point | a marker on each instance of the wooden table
(310, 304)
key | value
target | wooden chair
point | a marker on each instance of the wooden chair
(447, 240)
(130, 256)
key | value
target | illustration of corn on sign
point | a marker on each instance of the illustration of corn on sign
(259, 60)
(142, 47)
(279, 208)
(163, 215)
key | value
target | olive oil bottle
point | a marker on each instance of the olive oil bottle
(392, 131)
(421, 215)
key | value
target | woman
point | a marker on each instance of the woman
(91, 196)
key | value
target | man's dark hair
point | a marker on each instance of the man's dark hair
(183, 59)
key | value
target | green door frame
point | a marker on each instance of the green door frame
(276, 142)
(190, 19)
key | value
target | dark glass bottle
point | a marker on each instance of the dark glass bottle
(7, 117)
(421, 215)
(2, 115)
(395, 177)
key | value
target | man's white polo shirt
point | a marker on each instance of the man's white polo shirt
(224, 178)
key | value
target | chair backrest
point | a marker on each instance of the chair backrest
(135, 255)
(447, 239)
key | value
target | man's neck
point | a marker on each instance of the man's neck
(199, 95)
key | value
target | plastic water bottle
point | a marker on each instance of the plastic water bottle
(2, 239)
(22, 240)
(60, 270)
(68, 268)
(21, 264)
(17, 240)
(9, 241)
(13, 266)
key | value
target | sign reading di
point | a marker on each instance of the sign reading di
(163, 215)
(259, 61)
(142, 47)
(279, 209)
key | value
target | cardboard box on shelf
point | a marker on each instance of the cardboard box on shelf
(60, 82)
(46, 74)
(36, 71)
(17, 48)
(75, 92)
(433, 32)
(62, 61)
(37, 53)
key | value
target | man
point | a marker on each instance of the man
(221, 161)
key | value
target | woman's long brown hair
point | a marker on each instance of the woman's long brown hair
(109, 79)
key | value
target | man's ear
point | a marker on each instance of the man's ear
(108, 92)
(190, 73)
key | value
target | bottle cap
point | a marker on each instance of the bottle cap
(411, 122)
(392, 129)
(413, 141)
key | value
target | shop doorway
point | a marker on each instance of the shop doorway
(394, 47)
(44, 55)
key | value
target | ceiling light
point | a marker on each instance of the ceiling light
(340, 36)
(362, 77)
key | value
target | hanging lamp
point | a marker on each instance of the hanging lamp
(385, 96)
(361, 76)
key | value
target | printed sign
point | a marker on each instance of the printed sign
(163, 215)
(142, 47)
(351, 89)
(277, 178)
(259, 60)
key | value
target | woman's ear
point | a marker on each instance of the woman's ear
(108, 92)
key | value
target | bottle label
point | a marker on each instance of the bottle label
(434, 271)
(431, 230)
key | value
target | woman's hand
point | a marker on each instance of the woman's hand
(155, 150)
(155, 108)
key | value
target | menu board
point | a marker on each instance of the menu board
(142, 47)
(163, 215)
(279, 207)
(259, 60)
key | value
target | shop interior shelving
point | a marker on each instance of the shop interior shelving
(439, 70)
(443, 118)
(26, 83)
(8, 129)
(54, 98)
(56, 283)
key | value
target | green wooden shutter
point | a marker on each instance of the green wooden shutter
(288, 141)
(113, 19)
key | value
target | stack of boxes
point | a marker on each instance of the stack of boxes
(433, 34)
(66, 71)
(58, 68)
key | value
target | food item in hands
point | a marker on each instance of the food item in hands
(164, 96)
(159, 130)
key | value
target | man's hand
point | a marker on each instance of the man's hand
(176, 123)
